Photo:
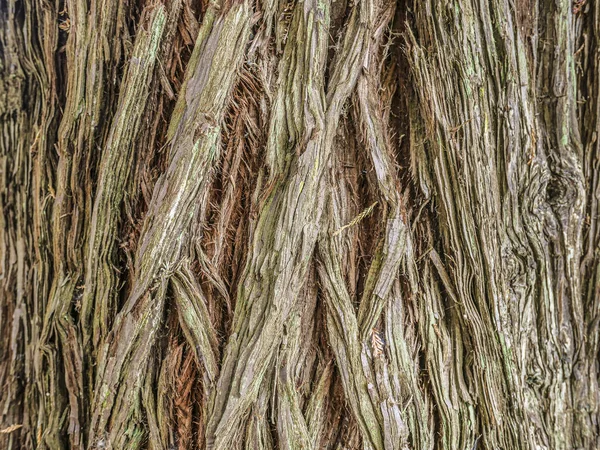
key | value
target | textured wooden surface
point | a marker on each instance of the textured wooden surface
(296, 225)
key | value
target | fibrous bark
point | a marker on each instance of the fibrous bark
(298, 225)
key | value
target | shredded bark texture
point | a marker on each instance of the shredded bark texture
(238, 224)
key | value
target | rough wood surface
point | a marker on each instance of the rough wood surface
(287, 224)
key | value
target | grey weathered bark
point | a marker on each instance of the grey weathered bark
(298, 225)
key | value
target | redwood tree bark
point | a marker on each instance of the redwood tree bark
(237, 224)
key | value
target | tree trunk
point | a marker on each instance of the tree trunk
(299, 224)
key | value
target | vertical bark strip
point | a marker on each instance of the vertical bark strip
(585, 380)
(194, 148)
(117, 157)
(289, 224)
(285, 234)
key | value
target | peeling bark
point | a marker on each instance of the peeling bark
(299, 225)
